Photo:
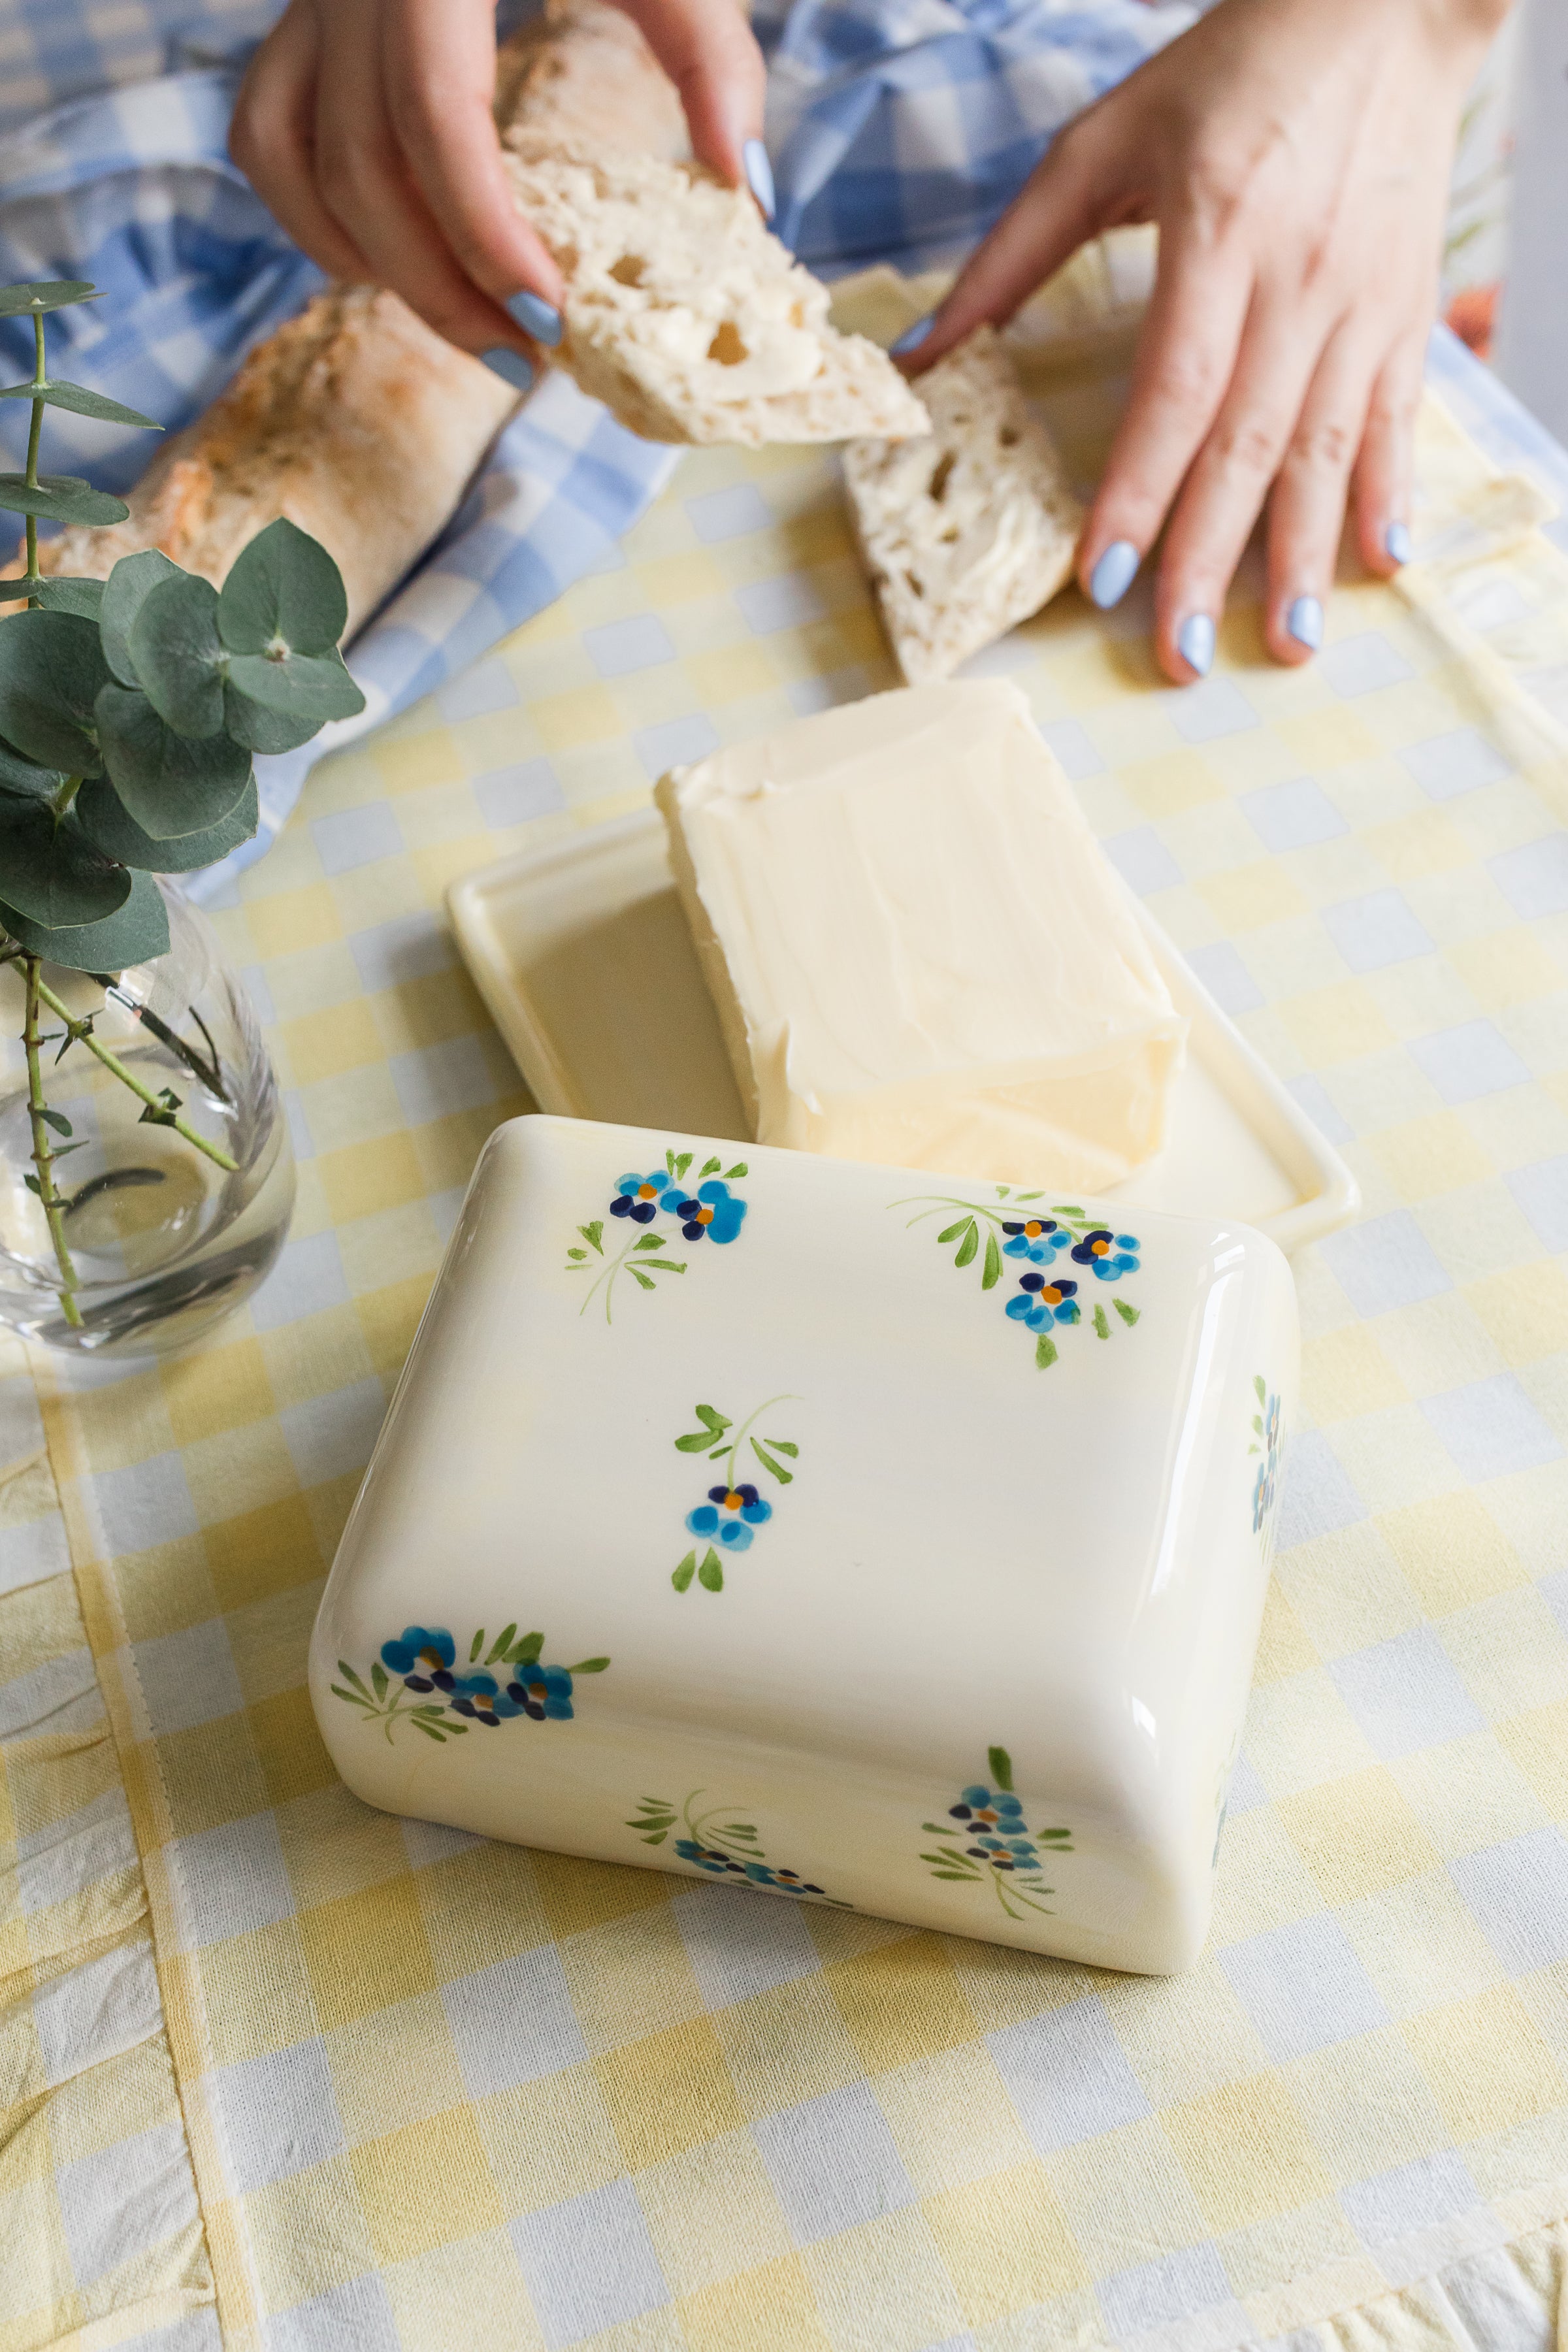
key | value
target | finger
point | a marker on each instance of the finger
(711, 54)
(272, 138)
(1185, 359)
(376, 202)
(1228, 480)
(439, 81)
(1384, 469)
(1306, 504)
(1058, 207)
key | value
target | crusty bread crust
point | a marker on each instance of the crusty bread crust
(970, 530)
(687, 318)
(354, 420)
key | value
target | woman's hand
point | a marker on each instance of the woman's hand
(1296, 155)
(366, 127)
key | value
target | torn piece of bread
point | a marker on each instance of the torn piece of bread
(688, 319)
(971, 529)
(354, 420)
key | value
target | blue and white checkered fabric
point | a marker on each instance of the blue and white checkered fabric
(901, 128)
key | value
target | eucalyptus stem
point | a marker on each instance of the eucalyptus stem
(35, 430)
(82, 1032)
(43, 1156)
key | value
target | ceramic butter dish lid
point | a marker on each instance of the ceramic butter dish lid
(889, 1540)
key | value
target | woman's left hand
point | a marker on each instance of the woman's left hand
(1296, 156)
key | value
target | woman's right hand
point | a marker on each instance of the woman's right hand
(365, 126)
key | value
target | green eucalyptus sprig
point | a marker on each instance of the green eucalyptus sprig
(129, 711)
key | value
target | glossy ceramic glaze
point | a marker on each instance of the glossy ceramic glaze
(897, 1540)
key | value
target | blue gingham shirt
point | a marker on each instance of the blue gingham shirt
(899, 128)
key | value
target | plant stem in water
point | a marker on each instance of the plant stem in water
(83, 1033)
(42, 1157)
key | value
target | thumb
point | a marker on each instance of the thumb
(1059, 206)
(711, 54)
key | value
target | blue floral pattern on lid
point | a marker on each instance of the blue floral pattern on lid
(431, 1694)
(1010, 1232)
(708, 1210)
(990, 1841)
(728, 1520)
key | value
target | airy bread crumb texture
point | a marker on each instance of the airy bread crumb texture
(688, 319)
(971, 529)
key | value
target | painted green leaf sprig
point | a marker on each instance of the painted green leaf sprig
(722, 1849)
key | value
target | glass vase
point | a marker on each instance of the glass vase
(162, 1239)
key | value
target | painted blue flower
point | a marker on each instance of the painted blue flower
(543, 1693)
(729, 1515)
(641, 1198)
(707, 1857)
(1037, 1238)
(1111, 1254)
(479, 1697)
(1006, 1854)
(1042, 1301)
(423, 1657)
(990, 1808)
(712, 1210)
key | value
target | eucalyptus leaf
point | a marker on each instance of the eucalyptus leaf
(46, 294)
(19, 775)
(284, 594)
(304, 686)
(169, 784)
(51, 669)
(135, 935)
(125, 592)
(82, 597)
(51, 872)
(177, 656)
(61, 498)
(105, 820)
(264, 731)
(80, 401)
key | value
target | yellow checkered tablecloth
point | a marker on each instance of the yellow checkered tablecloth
(392, 2086)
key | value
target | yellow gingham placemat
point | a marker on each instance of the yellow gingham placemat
(433, 2092)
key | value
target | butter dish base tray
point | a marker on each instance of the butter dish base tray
(583, 959)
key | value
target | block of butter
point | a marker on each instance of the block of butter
(896, 1543)
(918, 951)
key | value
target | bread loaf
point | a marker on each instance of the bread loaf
(969, 528)
(687, 319)
(355, 419)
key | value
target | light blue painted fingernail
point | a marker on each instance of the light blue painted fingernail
(1114, 573)
(1305, 621)
(759, 175)
(913, 337)
(1396, 542)
(510, 365)
(1194, 642)
(537, 318)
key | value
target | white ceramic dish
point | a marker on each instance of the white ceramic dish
(891, 1540)
(584, 958)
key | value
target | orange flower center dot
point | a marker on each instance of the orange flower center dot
(731, 1501)
(1101, 1249)
(704, 1216)
(1034, 1228)
(647, 1192)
